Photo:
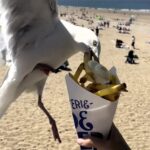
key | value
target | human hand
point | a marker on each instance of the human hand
(115, 141)
(89, 142)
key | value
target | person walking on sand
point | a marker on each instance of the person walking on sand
(133, 42)
(97, 31)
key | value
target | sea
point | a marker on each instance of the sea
(125, 5)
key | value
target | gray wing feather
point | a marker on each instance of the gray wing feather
(24, 18)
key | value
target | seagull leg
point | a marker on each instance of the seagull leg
(51, 120)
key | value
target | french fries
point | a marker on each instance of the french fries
(98, 80)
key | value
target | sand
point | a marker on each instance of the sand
(25, 127)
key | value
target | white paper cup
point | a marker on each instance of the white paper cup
(91, 113)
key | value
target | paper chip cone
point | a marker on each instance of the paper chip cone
(92, 114)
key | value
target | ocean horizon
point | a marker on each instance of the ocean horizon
(109, 4)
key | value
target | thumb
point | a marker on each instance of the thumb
(85, 142)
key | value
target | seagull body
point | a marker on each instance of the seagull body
(78, 33)
(37, 43)
(33, 36)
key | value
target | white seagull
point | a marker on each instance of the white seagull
(37, 43)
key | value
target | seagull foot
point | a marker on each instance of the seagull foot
(55, 131)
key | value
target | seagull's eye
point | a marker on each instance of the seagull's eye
(94, 43)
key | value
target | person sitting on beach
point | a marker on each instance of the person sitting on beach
(115, 141)
(131, 57)
(119, 43)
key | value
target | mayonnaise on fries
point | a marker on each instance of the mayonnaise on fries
(99, 80)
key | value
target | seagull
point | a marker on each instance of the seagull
(37, 43)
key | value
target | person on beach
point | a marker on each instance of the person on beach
(108, 23)
(133, 42)
(97, 31)
(115, 141)
(131, 57)
(119, 43)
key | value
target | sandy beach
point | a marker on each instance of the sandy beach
(25, 127)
